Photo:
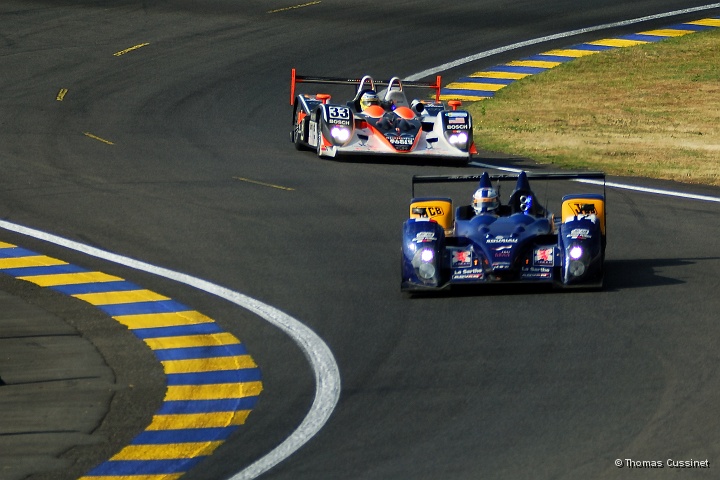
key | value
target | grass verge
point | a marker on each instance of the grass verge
(651, 110)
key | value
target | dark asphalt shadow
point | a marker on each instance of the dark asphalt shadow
(619, 275)
(624, 274)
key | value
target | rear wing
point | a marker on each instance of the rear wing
(295, 79)
(588, 177)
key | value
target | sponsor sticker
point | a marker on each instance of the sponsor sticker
(434, 211)
(583, 208)
(424, 237)
(501, 239)
(467, 274)
(544, 256)
(401, 142)
(312, 134)
(579, 233)
(461, 258)
(536, 272)
(503, 251)
(342, 113)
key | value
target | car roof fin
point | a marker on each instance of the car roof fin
(522, 182)
(485, 181)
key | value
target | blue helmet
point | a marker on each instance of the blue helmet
(485, 198)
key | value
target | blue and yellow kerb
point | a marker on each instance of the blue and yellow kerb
(482, 85)
(212, 382)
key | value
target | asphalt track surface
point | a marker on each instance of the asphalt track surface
(146, 155)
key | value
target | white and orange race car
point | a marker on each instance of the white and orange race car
(380, 122)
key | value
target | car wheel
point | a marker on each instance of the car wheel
(297, 126)
(319, 140)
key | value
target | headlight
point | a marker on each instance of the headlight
(575, 252)
(340, 134)
(577, 262)
(576, 268)
(458, 139)
(426, 271)
(424, 263)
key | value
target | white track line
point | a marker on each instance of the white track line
(327, 373)
(557, 36)
(622, 186)
(667, 193)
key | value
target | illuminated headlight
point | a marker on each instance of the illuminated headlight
(575, 252)
(424, 263)
(340, 134)
(458, 139)
(576, 262)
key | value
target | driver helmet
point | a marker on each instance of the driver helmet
(485, 200)
(368, 98)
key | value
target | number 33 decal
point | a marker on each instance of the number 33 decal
(339, 112)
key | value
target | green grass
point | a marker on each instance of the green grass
(650, 110)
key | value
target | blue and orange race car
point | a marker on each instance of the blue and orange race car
(379, 122)
(490, 241)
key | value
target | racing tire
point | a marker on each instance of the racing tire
(296, 139)
(319, 141)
